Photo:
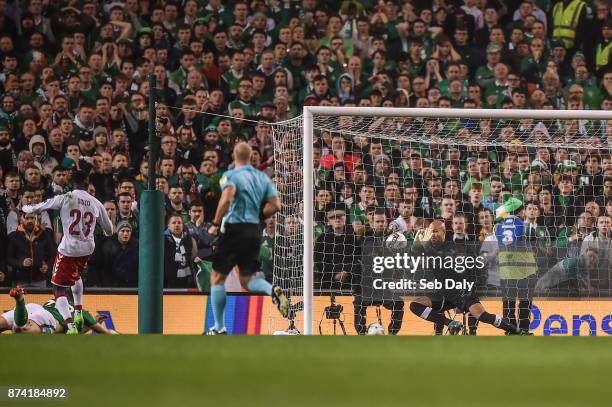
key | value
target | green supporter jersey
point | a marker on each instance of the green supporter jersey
(231, 82)
(266, 255)
(592, 94)
(499, 91)
(530, 64)
(90, 94)
(210, 184)
(537, 234)
(179, 77)
(356, 213)
(486, 185)
(484, 76)
(250, 109)
(444, 85)
(564, 201)
(347, 46)
(416, 68)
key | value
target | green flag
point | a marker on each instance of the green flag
(203, 275)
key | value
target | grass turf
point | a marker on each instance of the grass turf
(312, 371)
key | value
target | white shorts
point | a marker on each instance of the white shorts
(43, 318)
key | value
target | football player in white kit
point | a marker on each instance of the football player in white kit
(79, 212)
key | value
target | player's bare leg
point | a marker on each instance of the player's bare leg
(61, 303)
(479, 312)
(256, 284)
(218, 299)
(77, 295)
(422, 308)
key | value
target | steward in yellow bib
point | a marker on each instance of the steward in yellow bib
(517, 265)
(569, 17)
(603, 49)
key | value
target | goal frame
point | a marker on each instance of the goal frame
(310, 112)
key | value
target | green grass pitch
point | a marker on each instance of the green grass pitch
(312, 371)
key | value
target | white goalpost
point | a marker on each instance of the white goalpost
(429, 135)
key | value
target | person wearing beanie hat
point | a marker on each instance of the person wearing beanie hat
(122, 225)
(120, 257)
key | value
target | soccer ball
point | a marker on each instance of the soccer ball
(376, 329)
(396, 241)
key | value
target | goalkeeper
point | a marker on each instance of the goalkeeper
(365, 297)
(431, 243)
(42, 319)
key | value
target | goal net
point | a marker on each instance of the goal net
(527, 194)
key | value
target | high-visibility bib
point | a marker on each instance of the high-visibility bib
(565, 21)
(602, 55)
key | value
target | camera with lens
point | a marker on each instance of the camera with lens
(333, 310)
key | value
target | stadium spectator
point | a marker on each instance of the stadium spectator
(121, 257)
(197, 228)
(73, 95)
(30, 253)
(180, 251)
(336, 252)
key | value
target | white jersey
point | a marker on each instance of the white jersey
(37, 313)
(490, 251)
(398, 225)
(79, 212)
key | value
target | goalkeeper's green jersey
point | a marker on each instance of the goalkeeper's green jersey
(49, 306)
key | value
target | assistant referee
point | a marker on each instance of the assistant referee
(245, 190)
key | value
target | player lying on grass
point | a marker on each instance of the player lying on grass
(431, 242)
(43, 319)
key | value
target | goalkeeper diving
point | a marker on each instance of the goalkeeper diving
(431, 242)
(43, 319)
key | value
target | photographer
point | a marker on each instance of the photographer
(364, 295)
(337, 252)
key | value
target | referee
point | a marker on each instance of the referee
(245, 191)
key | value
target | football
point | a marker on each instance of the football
(376, 329)
(396, 241)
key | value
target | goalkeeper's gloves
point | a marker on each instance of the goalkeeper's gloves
(423, 235)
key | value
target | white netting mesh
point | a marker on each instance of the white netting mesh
(417, 167)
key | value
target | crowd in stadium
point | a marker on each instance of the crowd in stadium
(74, 92)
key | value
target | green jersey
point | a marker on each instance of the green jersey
(266, 255)
(49, 306)
(250, 109)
